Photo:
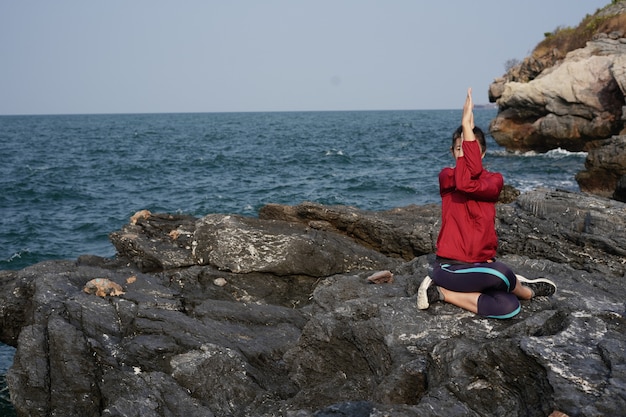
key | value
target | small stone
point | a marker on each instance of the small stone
(220, 282)
(103, 287)
(141, 214)
(381, 277)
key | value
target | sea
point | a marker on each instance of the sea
(67, 181)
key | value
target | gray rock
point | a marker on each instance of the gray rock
(392, 232)
(579, 230)
(575, 228)
(605, 168)
(301, 332)
(241, 245)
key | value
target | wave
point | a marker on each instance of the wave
(331, 152)
(38, 169)
(562, 153)
(557, 153)
(18, 260)
(17, 255)
(530, 185)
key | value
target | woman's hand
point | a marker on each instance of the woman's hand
(467, 120)
(469, 105)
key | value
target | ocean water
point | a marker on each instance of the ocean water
(68, 181)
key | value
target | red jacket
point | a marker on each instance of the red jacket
(468, 208)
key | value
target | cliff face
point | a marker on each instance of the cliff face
(570, 94)
(578, 100)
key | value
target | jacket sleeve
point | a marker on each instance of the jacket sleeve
(469, 176)
(446, 180)
(473, 158)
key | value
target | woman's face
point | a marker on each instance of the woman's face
(457, 148)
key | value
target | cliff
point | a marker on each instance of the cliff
(274, 316)
(569, 93)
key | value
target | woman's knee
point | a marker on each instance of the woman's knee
(498, 305)
(505, 270)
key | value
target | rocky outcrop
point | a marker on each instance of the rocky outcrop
(226, 315)
(577, 101)
(605, 169)
(569, 93)
(241, 245)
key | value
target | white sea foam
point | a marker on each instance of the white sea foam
(17, 255)
(530, 185)
(557, 153)
(562, 153)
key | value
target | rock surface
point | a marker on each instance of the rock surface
(233, 316)
(578, 100)
(571, 100)
(605, 169)
(578, 104)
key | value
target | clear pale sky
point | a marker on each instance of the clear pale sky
(154, 56)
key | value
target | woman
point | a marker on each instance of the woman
(466, 272)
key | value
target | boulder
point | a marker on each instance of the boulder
(569, 93)
(576, 101)
(392, 232)
(242, 245)
(605, 169)
(276, 316)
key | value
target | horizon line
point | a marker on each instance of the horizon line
(476, 107)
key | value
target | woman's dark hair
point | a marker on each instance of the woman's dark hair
(480, 137)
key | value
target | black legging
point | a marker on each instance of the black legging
(494, 280)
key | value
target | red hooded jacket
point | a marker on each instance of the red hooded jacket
(468, 208)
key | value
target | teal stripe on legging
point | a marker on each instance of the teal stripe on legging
(481, 269)
(507, 316)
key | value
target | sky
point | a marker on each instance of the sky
(156, 56)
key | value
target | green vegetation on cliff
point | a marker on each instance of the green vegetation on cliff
(609, 19)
